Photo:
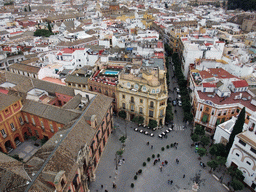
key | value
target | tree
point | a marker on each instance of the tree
(42, 32)
(120, 152)
(152, 123)
(122, 114)
(140, 120)
(237, 185)
(218, 149)
(235, 173)
(135, 119)
(49, 27)
(205, 140)
(221, 160)
(201, 152)
(238, 127)
(199, 130)
(195, 138)
(212, 164)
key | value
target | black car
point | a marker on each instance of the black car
(174, 102)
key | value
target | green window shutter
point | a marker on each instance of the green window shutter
(204, 119)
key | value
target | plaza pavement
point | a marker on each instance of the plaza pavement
(136, 152)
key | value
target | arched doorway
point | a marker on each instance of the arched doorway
(17, 140)
(8, 146)
(26, 136)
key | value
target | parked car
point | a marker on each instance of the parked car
(146, 133)
(178, 96)
(151, 134)
(174, 103)
(178, 90)
(141, 131)
(180, 103)
(136, 129)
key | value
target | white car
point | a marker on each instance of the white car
(178, 90)
(151, 134)
(179, 96)
(136, 129)
(166, 131)
(160, 136)
(179, 103)
(146, 133)
(141, 131)
(163, 133)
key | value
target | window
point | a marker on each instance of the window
(52, 130)
(161, 112)
(62, 183)
(21, 120)
(42, 125)
(242, 142)
(132, 108)
(141, 100)
(237, 110)
(151, 104)
(6, 111)
(33, 121)
(157, 90)
(123, 105)
(3, 133)
(12, 127)
(136, 86)
(132, 99)
(253, 150)
(247, 117)
(237, 155)
(141, 110)
(151, 113)
(233, 111)
(248, 162)
(225, 112)
(219, 113)
(144, 88)
(92, 148)
(153, 91)
(123, 96)
(252, 127)
(207, 109)
(26, 118)
(128, 85)
(213, 112)
(201, 108)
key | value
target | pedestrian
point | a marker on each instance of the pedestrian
(176, 147)
(158, 159)
(114, 185)
(160, 168)
(166, 162)
(163, 164)
(123, 160)
(151, 146)
(106, 190)
(171, 182)
(148, 143)
(101, 186)
(184, 176)
(178, 162)
(174, 143)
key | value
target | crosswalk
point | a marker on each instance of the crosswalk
(178, 127)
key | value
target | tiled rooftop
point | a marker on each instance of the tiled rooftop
(229, 100)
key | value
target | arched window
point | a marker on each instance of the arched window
(153, 91)
(128, 85)
(144, 88)
(136, 86)
(151, 104)
(106, 92)
(132, 99)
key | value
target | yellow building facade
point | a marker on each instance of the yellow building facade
(143, 95)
